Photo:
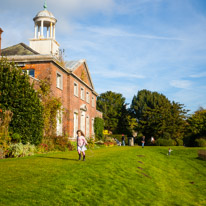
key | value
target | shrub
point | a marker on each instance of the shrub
(18, 96)
(98, 128)
(5, 139)
(118, 137)
(91, 143)
(201, 142)
(179, 142)
(21, 150)
(58, 143)
(165, 142)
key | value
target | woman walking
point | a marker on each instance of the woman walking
(81, 142)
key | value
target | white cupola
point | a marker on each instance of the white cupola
(44, 33)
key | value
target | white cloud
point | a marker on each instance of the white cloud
(198, 75)
(183, 84)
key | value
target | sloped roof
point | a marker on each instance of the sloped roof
(18, 49)
(72, 65)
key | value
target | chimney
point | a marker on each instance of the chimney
(0, 40)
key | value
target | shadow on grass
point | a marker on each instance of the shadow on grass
(61, 158)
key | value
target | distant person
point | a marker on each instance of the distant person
(123, 140)
(81, 142)
(143, 141)
(169, 151)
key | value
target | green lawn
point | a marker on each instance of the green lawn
(109, 176)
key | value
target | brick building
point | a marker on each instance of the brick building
(70, 80)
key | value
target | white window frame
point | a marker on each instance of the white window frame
(76, 123)
(59, 119)
(93, 104)
(76, 92)
(92, 126)
(82, 93)
(59, 80)
(87, 126)
(87, 97)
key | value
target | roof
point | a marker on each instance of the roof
(18, 49)
(72, 65)
(44, 13)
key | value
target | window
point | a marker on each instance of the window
(92, 126)
(59, 123)
(75, 123)
(93, 102)
(87, 97)
(75, 89)
(59, 81)
(87, 127)
(30, 72)
(82, 93)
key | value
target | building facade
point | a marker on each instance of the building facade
(70, 80)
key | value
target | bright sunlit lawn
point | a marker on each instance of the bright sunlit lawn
(109, 176)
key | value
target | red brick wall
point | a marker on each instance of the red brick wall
(69, 100)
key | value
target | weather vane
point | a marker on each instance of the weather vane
(45, 6)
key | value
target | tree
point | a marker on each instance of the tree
(19, 97)
(157, 116)
(98, 128)
(196, 127)
(113, 107)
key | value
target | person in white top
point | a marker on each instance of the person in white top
(81, 142)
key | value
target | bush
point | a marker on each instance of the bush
(21, 150)
(18, 96)
(58, 143)
(179, 142)
(165, 142)
(201, 142)
(98, 128)
(91, 143)
(118, 137)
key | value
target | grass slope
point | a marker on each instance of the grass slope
(109, 176)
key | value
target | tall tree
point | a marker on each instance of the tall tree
(196, 127)
(157, 116)
(18, 96)
(114, 111)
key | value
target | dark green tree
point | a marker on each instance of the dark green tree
(157, 116)
(196, 127)
(98, 128)
(18, 96)
(113, 107)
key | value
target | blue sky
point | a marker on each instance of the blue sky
(129, 45)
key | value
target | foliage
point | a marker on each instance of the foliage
(56, 143)
(201, 142)
(19, 97)
(5, 139)
(157, 116)
(118, 137)
(98, 127)
(21, 150)
(51, 107)
(165, 142)
(196, 127)
(114, 111)
(91, 143)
